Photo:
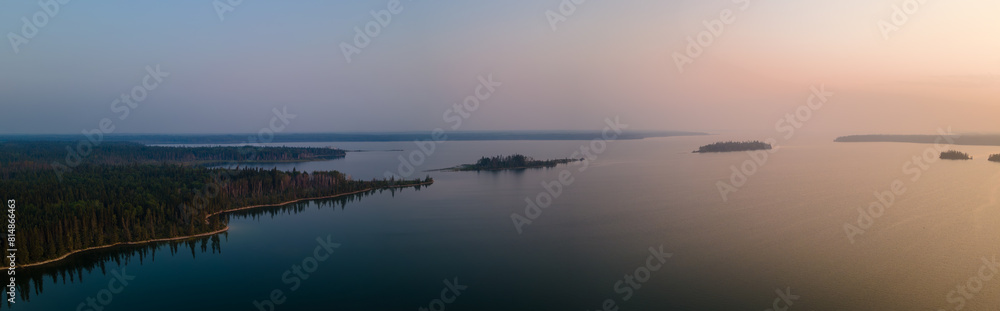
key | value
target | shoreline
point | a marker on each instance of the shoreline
(313, 198)
(64, 256)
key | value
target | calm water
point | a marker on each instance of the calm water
(783, 229)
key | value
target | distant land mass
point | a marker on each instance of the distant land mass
(995, 157)
(350, 137)
(733, 146)
(121, 153)
(967, 140)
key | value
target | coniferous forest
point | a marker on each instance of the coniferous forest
(128, 192)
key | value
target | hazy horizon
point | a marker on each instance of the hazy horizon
(227, 74)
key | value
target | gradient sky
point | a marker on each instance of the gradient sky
(610, 58)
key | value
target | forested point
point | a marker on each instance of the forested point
(995, 157)
(121, 194)
(955, 155)
(508, 162)
(732, 146)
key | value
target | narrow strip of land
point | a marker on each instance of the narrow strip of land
(64, 256)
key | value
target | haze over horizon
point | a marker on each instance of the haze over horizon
(607, 59)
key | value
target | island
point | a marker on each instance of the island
(127, 193)
(995, 157)
(955, 155)
(510, 162)
(733, 146)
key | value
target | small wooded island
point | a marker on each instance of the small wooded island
(733, 146)
(995, 157)
(511, 162)
(955, 155)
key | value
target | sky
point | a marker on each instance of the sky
(225, 66)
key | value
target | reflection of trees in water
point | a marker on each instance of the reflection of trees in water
(295, 208)
(30, 281)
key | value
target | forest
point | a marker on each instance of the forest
(129, 192)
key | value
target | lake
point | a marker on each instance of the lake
(642, 227)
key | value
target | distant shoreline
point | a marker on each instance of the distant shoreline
(964, 140)
(64, 256)
(206, 139)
